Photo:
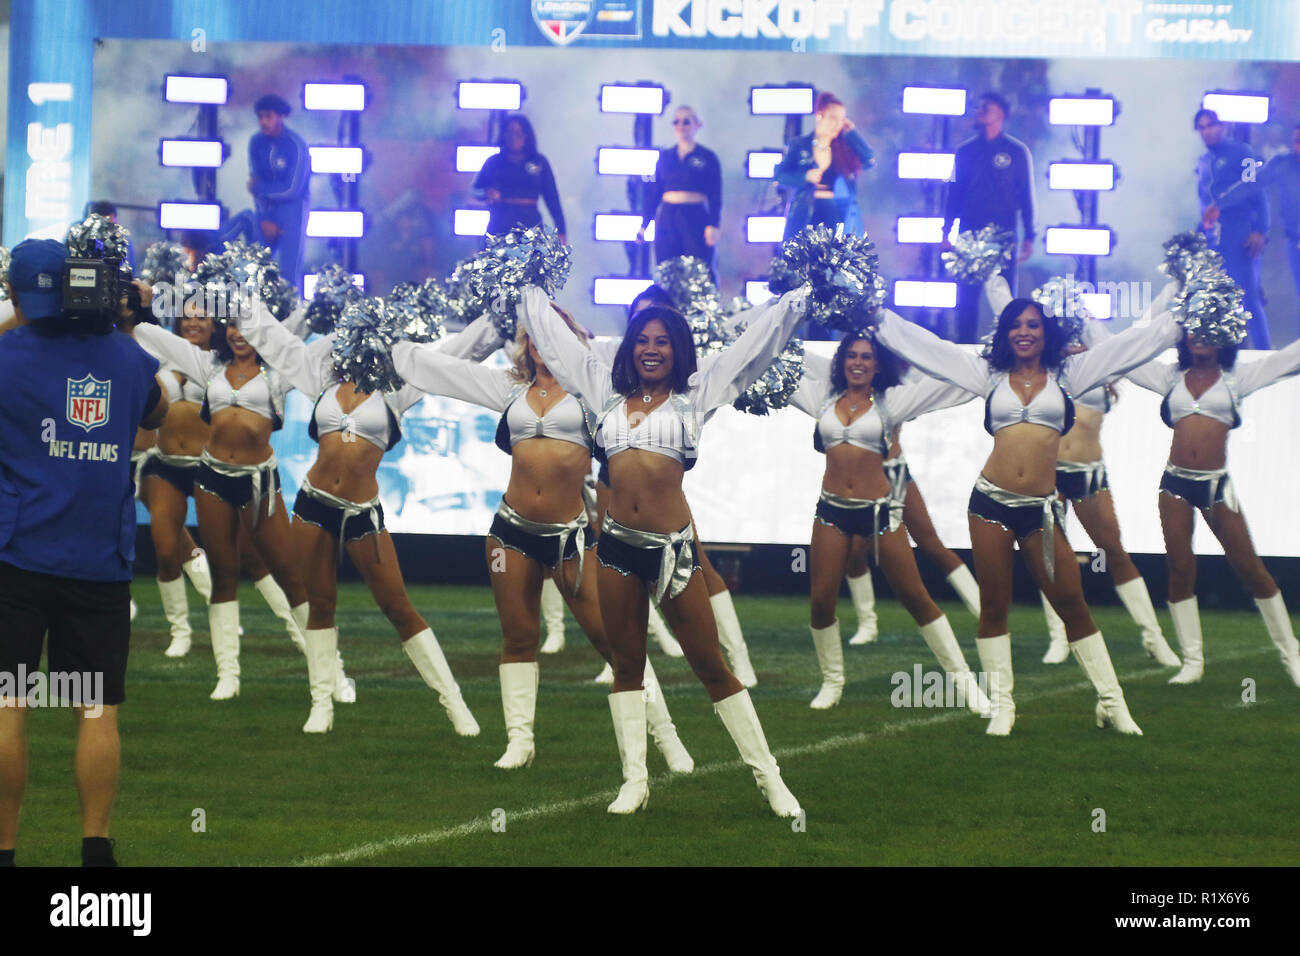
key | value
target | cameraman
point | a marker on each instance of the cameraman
(75, 392)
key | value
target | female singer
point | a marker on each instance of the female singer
(650, 408)
(685, 199)
(1026, 381)
(1202, 399)
(856, 407)
(539, 532)
(822, 170)
(512, 180)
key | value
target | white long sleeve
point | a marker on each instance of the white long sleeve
(307, 371)
(998, 294)
(475, 342)
(1252, 376)
(193, 362)
(1158, 377)
(1120, 353)
(934, 356)
(434, 372)
(916, 397)
(297, 322)
(578, 370)
(740, 364)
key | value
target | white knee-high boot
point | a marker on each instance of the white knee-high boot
(663, 637)
(1112, 711)
(661, 726)
(628, 711)
(1187, 626)
(741, 720)
(552, 617)
(1058, 651)
(830, 657)
(995, 661)
(197, 570)
(864, 605)
(1137, 601)
(519, 704)
(606, 676)
(177, 611)
(963, 582)
(732, 639)
(223, 623)
(426, 654)
(941, 640)
(1278, 623)
(275, 599)
(322, 650)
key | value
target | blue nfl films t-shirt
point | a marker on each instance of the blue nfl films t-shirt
(71, 407)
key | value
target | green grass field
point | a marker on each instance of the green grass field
(1213, 781)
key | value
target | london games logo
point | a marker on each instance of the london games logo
(88, 402)
(562, 20)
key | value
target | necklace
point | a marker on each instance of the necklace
(647, 399)
(542, 393)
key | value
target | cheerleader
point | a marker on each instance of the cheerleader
(857, 403)
(821, 168)
(1026, 381)
(685, 198)
(512, 179)
(540, 529)
(649, 410)
(1081, 481)
(920, 528)
(338, 509)
(243, 403)
(1202, 395)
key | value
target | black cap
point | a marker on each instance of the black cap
(275, 104)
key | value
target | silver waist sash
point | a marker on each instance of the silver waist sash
(896, 472)
(1218, 480)
(263, 486)
(676, 561)
(1052, 506)
(349, 509)
(562, 531)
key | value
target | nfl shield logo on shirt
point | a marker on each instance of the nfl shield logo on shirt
(88, 402)
(562, 20)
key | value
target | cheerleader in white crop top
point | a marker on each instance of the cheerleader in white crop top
(338, 509)
(649, 409)
(244, 402)
(1081, 481)
(857, 407)
(1026, 379)
(540, 531)
(1202, 395)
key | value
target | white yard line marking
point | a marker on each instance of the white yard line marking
(483, 824)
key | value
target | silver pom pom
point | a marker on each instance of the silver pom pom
(367, 330)
(521, 257)
(976, 256)
(165, 262)
(1062, 299)
(847, 290)
(4, 274)
(241, 268)
(775, 388)
(334, 291)
(409, 317)
(98, 237)
(687, 281)
(1185, 253)
(1209, 306)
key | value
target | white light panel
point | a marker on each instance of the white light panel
(470, 159)
(470, 222)
(348, 97)
(781, 100)
(764, 228)
(621, 227)
(610, 290)
(489, 96)
(927, 295)
(196, 89)
(336, 159)
(762, 163)
(1090, 176)
(620, 161)
(331, 223)
(192, 152)
(925, 166)
(1237, 107)
(1081, 111)
(1077, 241)
(1098, 303)
(934, 102)
(920, 228)
(757, 292)
(189, 215)
(631, 99)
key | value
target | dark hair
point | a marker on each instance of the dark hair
(103, 207)
(843, 160)
(530, 138)
(273, 103)
(1227, 355)
(887, 375)
(653, 294)
(998, 100)
(1204, 112)
(1003, 359)
(221, 345)
(625, 378)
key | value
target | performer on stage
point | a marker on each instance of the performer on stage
(916, 519)
(1234, 215)
(1081, 481)
(1202, 404)
(280, 184)
(512, 180)
(244, 403)
(338, 509)
(1026, 381)
(540, 529)
(822, 169)
(993, 184)
(649, 412)
(685, 199)
(857, 402)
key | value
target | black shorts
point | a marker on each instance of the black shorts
(325, 515)
(182, 479)
(234, 491)
(642, 562)
(1022, 521)
(1077, 485)
(1199, 494)
(860, 521)
(89, 623)
(541, 548)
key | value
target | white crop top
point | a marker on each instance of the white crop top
(254, 395)
(1051, 408)
(1097, 399)
(866, 431)
(191, 391)
(564, 421)
(369, 420)
(1215, 402)
(660, 432)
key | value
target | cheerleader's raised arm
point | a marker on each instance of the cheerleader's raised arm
(190, 360)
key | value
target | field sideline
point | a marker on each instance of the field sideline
(1212, 782)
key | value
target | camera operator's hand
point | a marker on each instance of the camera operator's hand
(146, 293)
